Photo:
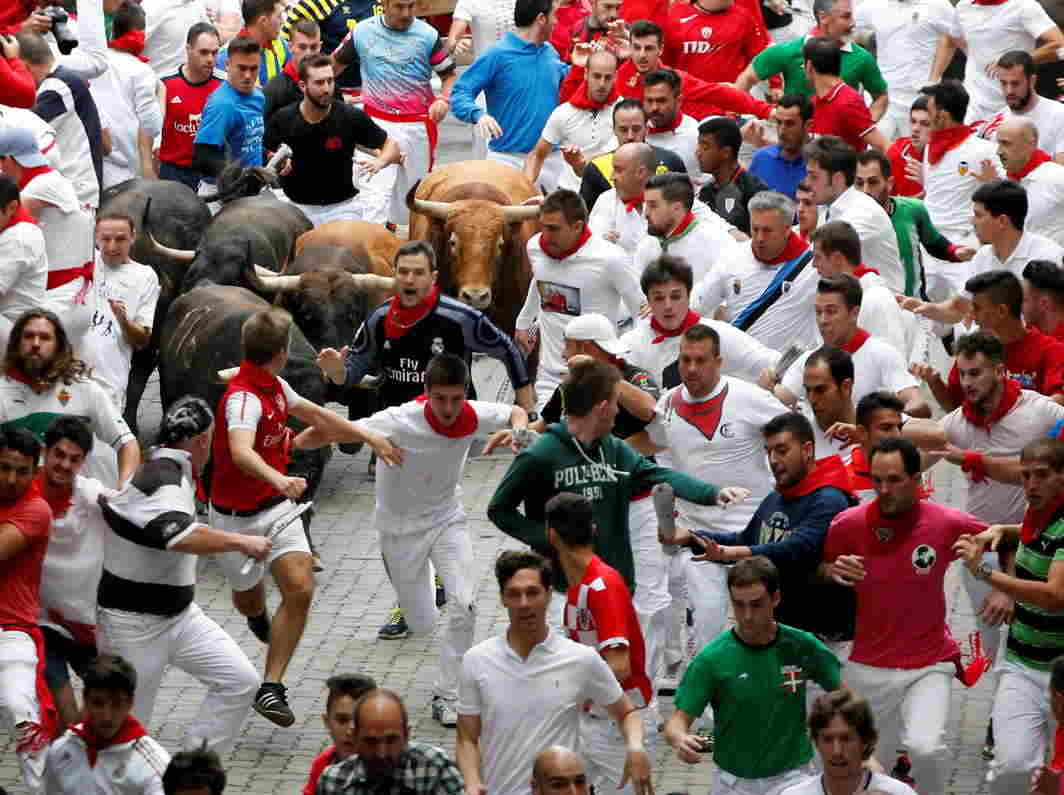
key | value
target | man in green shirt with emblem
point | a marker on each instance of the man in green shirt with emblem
(755, 676)
(859, 68)
(1023, 712)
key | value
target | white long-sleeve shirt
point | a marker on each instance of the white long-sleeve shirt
(125, 97)
(23, 269)
(89, 58)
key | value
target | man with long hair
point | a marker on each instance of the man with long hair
(43, 380)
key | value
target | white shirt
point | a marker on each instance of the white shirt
(1048, 118)
(725, 445)
(67, 229)
(243, 409)
(704, 243)
(489, 21)
(167, 23)
(881, 316)
(1045, 201)
(590, 131)
(125, 94)
(789, 320)
(1031, 246)
(950, 183)
(76, 164)
(683, 142)
(106, 348)
(879, 242)
(425, 488)
(42, 131)
(991, 31)
(877, 367)
(85, 399)
(23, 269)
(1031, 418)
(907, 34)
(135, 767)
(595, 278)
(876, 782)
(526, 705)
(610, 215)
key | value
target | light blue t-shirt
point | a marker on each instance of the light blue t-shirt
(234, 122)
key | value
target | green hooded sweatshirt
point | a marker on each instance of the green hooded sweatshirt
(608, 472)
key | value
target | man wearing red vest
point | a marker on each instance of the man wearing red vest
(251, 491)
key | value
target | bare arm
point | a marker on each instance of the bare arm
(877, 109)
(943, 55)
(534, 161)
(748, 79)
(248, 461)
(915, 405)
(525, 397)
(12, 542)
(467, 753)
(329, 426)
(1048, 44)
(145, 144)
(642, 443)
(205, 540)
(677, 734)
(619, 661)
(874, 137)
(638, 402)
(128, 461)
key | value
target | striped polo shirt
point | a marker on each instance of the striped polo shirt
(1036, 635)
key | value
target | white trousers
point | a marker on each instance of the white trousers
(1023, 719)
(18, 702)
(450, 549)
(319, 214)
(603, 748)
(911, 708)
(195, 644)
(382, 197)
(707, 594)
(727, 784)
(978, 591)
(651, 581)
(895, 122)
(676, 612)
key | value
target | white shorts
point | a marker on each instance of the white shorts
(319, 214)
(18, 679)
(603, 747)
(383, 196)
(727, 784)
(291, 539)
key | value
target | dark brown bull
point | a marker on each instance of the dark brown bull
(370, 247)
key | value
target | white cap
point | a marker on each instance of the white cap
(598, 329)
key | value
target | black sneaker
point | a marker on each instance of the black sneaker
(260, 626)
(441, 593)
(395, 628)
(988, 746)
(272, 703)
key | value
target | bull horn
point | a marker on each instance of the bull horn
(437, 210)
(519, 213)
(266, 281)
(178, 254)
(364, 282)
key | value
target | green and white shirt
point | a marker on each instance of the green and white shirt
(1036, 635)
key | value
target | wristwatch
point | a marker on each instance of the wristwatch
(983, 571)
(532, 416)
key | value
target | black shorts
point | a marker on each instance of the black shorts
(62, 654)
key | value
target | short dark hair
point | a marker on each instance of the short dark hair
(920, 103)
(572, 517)
(833, 155)
(1004, 197)
(244, 45)
(1042, 274)
(568, 203)
(512, 561)
(877, 157)
(111, 673)
(353, 685)
(845, 285)
(642, 28)
(115, 215)
(667, 268)
(756, 570)
(980, 342)
(841, 237)
(1014, 58)
(71, 428)
(823, 54)
(855, 712)
(1001, 287)
(587, 385)
(674, 187)
(22, 441)
(8, 191)
(664, 76)
(877, 401)
(446, 369)
(316, 61)
(1047, 451)
(192, 770)
(838, 362)
(305, 26)
(910, 456)
(128, 17)
(199, 29)
(950, 96)
(797, 425)
(724, 131)
(253, 9)
(800, 101)
(628, 104)
(415, 248)
(700, 332)
(526, 11)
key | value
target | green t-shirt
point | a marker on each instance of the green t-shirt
(758, 698)
(859, 68)
(1036, 635)
(913, 228)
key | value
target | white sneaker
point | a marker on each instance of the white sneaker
(444, 713)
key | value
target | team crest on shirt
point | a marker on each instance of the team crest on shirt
(63, 396)
(793, 677)
(707, 32)
(785, 287)
(962, 168)
(279, 400)
(776, 528)
(633, 80)
(884, 534)
(661, 169)
(924, 558)
(726, 431)
(729, 204)
(437, 346)
(736, 286)
(585, 622)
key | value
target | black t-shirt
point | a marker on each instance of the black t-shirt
(729, 201)
(594, 182)
(626, 423)
(323, 153)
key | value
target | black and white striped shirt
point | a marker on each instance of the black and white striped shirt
(152, 513)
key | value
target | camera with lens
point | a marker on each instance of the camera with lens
(64, 36)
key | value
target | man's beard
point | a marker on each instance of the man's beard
(35, 367)
(318, 103)
(1021, 104)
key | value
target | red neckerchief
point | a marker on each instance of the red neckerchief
(989, 2)
(129, 730)
(400, 320)
(251, 375)
(465, 425)
(681, 227)
(291, 70)
(584, 237)
(796, 246)
(859, 338)
(690, 319)
(1009, 395)
(581, 98)
(29, 174)
(875, 519)
(859, 475)
(132, 41)
(1057, 764)
(21, 216)
(59, 505)
(17, 375)
(941, 142)
(677, 120)
(829, 471)
(1034, 522)
(861, 270)
(633, 205)
(1037, 158)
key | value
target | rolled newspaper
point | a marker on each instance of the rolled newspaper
(665, 507)
(284, 151)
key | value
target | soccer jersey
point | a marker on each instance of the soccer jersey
(1036, 635)
(713, 46)
(1036, 361)
(758, 692)
(20, 574)
(21, 407)
(877, 367)
(599, 613)
(842, 112)
(899, 150)
(234, 122)
(682, 141)
(901, 602)
(913, 229)
(859, 68)
(182, 115)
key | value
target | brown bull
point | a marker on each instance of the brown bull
(371, 247)
(471, 215)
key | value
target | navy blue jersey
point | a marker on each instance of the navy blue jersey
(335, 18)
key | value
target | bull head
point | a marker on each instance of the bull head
(266, 281)
(439, 210)
(176, 254)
